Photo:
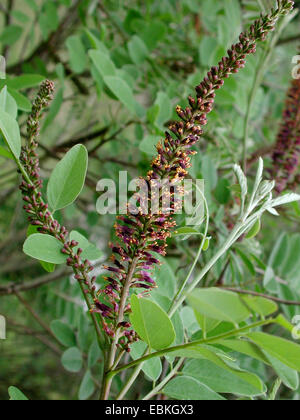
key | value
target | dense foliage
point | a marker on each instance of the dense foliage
(91, 89)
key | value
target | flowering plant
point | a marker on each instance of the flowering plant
(130, 318)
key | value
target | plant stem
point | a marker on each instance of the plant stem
(274, 299)
(177, 303)
(130, 382)
(160, 386)
(180, 291)
(113, 348)
(175, 349)
(94, 318)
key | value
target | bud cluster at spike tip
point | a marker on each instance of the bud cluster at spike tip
(38, 212)
(286, 153)
(142, 236)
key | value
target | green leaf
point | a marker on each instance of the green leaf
(289, 376)
(123, 92)
(165, 278)
(50, 268)
(44, 248)
(165, 109)
(32, 4)
(207, 49)
(285, 199)
(260, 305)
(90, 251)
(148, 144)
(222, 192)
(72, 360)
(219, 304)
(77, 55)
(103, 63)
(5, 153)
(94, 354)
(242, 181)
(67, 179)
(209, 172)
(8, 104)
(25, 81)
(153, 33)
(137, 50)
(285, 351)
(23, 103)
(246, 260)
(186, 231)
(206, 324)
(148, 320)
(64, 333)
(254, 231)
(222, 380)
(245, 347)
(11, 133)
(87, 387)
(11, 34)
(187, 388)
(211, 354)
(95, 42)
(153, 367)
(16, 395)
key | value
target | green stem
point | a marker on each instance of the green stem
(175, 349)
(110, 362)
(180, 291)
(160, 386)
(132, 378)
(94, 318)
(176, 305)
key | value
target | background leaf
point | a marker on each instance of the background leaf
(67, 179)
(72, 360)
(187, 388)
(63, 333)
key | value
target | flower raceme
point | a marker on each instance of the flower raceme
(286, 153)
(38, 211)
(142, 236)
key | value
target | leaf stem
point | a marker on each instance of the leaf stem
(160, 386)
(180, 291)
(187, 346)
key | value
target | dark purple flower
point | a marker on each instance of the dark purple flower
(141, 235)
(286, 153)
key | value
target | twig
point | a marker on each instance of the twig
(274, 299)
(35, 315)
(160, 386)
(82, 140)
(14, 288)
(38, 336)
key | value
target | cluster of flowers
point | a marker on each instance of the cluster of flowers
(38, 212)
(286, 154)
(142, 236)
